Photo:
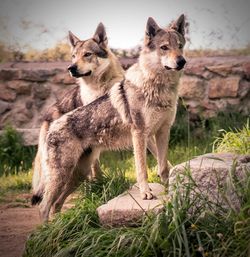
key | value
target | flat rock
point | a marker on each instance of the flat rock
(226, 87)
(128, 208)
(211, 173)
(191, 88)
(20, 87)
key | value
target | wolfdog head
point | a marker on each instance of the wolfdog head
(163, 48)
(89, 57)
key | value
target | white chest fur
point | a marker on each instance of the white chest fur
(89, 92)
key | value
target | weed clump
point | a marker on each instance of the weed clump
(234, 141)
(14, 156)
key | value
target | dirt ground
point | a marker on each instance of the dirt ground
(17, 220)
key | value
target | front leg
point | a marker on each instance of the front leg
(162, 137)
(152, 148)
(151, 145)
(139, 145)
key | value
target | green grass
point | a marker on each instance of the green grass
(15, 183)
(210, 230)
(14, 156)
(234, 141)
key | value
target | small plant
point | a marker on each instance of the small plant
(237, 141)
(14, 156)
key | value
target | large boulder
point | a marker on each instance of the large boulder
(213, 176)
(128, 208)
(209, 176)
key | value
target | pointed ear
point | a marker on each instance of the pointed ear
(152, 28)
(179, 25)
(73, 39)
(100, 35)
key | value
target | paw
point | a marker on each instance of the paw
(147, 195)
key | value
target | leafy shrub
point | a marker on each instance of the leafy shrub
(14, 156)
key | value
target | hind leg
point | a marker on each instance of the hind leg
(96, 171)
(82, 171)
(66, 191)
(89, 165)
(55, 183)
(52, 190)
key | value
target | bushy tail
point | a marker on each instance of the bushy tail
(37, 181)
(36, 198)
(38, 176)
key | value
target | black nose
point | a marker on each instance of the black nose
(72, 68)
(180, 62)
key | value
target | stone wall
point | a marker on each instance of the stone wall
(209, 85)
(216, 84)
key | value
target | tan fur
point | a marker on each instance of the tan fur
(142, 106)
(105, 72)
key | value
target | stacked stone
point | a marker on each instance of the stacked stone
(216, 84)
(27, 90)
(208, 86)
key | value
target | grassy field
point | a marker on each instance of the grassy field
(211, 230)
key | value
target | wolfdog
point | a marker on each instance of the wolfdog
(140, 106)
(96, 69)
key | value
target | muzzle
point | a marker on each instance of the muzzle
(73, 69)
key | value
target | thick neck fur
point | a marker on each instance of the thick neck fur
(158, 85)
(107, 74)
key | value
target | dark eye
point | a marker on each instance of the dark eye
(87, 54)
(73, 56)
(180, 46)
(164, 47)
